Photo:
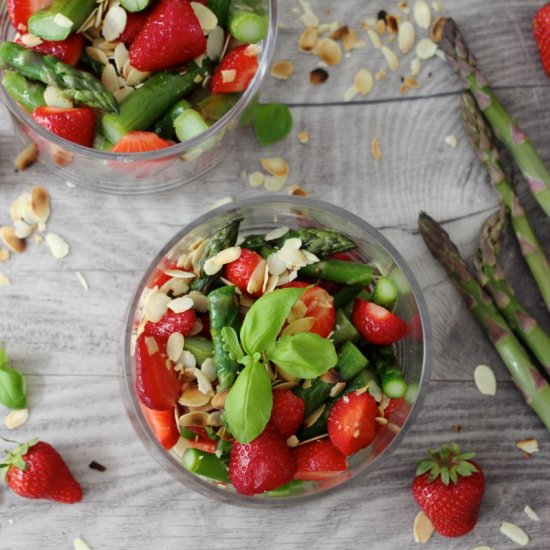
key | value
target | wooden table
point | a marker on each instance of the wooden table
(67, 340)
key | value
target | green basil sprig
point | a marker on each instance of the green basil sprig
(13, 389)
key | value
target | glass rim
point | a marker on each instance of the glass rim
(174, 150)
(131, 401)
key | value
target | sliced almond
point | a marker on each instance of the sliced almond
(97, 55)
(375, 148)
(531, 514)
(286, 385)
(380, 27)
(211, 267)
(425, 49)
(40, 204)
(308, 40)
(228, 75)
(514, 533)
(304, 324)
(451, 141)
(58, 245)
(208, 369)
(256, 179)
(364, 81)
(292, 441)
(252, 50)
(207, 19)
(54, 97)
(415, 66)
(392, 23)
(436, 32)
(329, 51)
(309, 19)
(11, 240)
(16, 418)
(181, 304)
(27, 157)
(156, 305)
(4, 255)
(391, 58)
(228, 255)
(121, 56)
(30, 40)
(135, 76)
(174, 346)
(123, 93)
(422, 14)
(215, 43)
(298, 311)
(375, 39)
(276, 233)
(411, 82)
(337, 389)
(528, 446)
(23, 229)
(275, 166)
(350, 93)
(423, 528)
(218, 401)
(303, 137)
(275, 264)
(198, 419)
(80, 544)
(297, 191)
(314, 416)
(282, 70)
(256, 280)
(350, 40)
(4, 280)
(114, 23)
(62, 21)
(485, 380)
(194, 398)
(404, 7)
(275, 183)
(406, 37)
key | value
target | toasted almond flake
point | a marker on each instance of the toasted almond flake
(308, 40)
(123, 93)
(58, 245)
(198, 419)
(211, 267)
(275, 166)
(292, 441)
(188, 360)
(156, 305)
(26, 158)
(423, 528)
(179, 274)
(174, 287)
(4, 280)
(252, 50)
(256, 280)
(350, 93)
(282, 69)
(528, 446)
(404, 7)
(392, 23)
(391, 58)
(314, 416)
(531, 514)
(228, 255)
(275, 183)
(121, 56)
(30, 40)
(337, 389)
(11, 240)
(375, 148)
(200, 301)
(109, 78)
(426, 48)
(228, 75)
(208, 369)
(80, 544)
(422, 14)
(375, 39)
(4, 255)
(40, 204)
(54, 97)
(450, 140)
(436, 32)
(380, 75)
(220, 202)
(415, 66)
(299, 325)
(114, 23)
(297, 191)
(82, 280)
(174, 346)
(61, 21)
(179, 305)
(276, 233)
(406, 37)
(309, 19)
(329, 51)
(303, 137)
(23, 229)
(380, 27)
(135, 77)
(207, 19)
(215, 43)
(482, 548)
(437, 6)
(275, 264)
(151, 345)
(350, 39)
(364, 81)
(411, 82)
(514, 533)
(97, 55)
(256, 179)
(16, 418)
(218, 401)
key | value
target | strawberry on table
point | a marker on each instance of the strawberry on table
(171, 36)
(76, 124)
(449, 487)
(140, 142)
(235, 72)
(318, 460)
(20, 11)
(377, 324)
(240, 271)
(287, 412)
(172, 322)
(541, 31)
(68, 50)
(36, 470)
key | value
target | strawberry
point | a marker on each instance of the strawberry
(36, 470)
(449, 487)
(163, 424)
(240, 270)
(157, 384)
(287, 412)
(20, 11)
(201, 440)
(245, 67)
(172, 322)
(134, 23)
(75, 124)
(140, 142)
(159, 277)
(397, 410)
(377, 324)
(318, 460)
(261, 465)
(68, 50)
(171, 36)
(541, 31)
(352, 422)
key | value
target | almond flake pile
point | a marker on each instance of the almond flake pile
(277, 174)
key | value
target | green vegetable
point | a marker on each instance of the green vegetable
(13, 388)
(61, 19)
(101, 143)
(204, 464)
(350, 361)
(272, 123)
(314, 394)
(248, 21)
(189, 125)
(135, 5)
(385, 292)
(339, 271)
(28, 93)
(346, 295)
(200, 347)
(164, 127)
(79, 86)
(412, 393)
(291, 488)
(221, 10)
(344, 329)
(214, 107)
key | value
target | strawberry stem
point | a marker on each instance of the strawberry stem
(448, 463)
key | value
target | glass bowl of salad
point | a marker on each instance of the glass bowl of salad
(133, 97)
(275, 350)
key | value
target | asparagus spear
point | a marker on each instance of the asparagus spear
(339, 271)
(481, 138)
(164, 127)
(220, 9)
(76, 85)
(225, 237)
(27, 93)
(527, 378)
(350, 361)
(491, 276)
(61, 19)
(505, 127)
(314, 395)
(200, 347)
(204, 464)
(135, 5)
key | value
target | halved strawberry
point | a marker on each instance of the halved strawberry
(352, 422)
(140, 142)
(235, 72)
(157, 384)
(68, 50)
(163, 424)
(240, 271)
(20, 11)
(159, 277)
(170, 323)
(171, 36)
(134, 23)
(75, 124)
(377, 324)
(287, 413)
(397, 410)
(201, 440)
(318, 460)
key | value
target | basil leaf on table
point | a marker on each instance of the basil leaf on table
(249, 402)
(266, 317)
(304, 355)
(272, 122)
(13, 389)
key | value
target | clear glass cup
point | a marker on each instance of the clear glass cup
(261, 215)
(139, 173)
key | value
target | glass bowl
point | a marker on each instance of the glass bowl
(260, 215)
(139, 173)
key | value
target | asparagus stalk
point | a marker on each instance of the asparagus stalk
(204, 464)
(28, 93)
(343, 329)
(61, 19)
(346, 295)
(481, 137)
(200, 347)
(505, 127)
(527, 378)
(339, 271)
(350, 361)
(76, 85)
(314, 395)
(135, 5)
(164, 127)
(220, 9)
(491, 277)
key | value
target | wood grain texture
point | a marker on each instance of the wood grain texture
(67, 340)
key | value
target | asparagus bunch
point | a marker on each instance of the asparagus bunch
(481, 137)
(76, 85)
(491, 277)
(527, 378)
(505, 127)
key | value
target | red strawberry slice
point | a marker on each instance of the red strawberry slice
(541, 31)
(170, 323)
(261, 465)
(235, 72)
(68, 50)
(352, 422)
(20, 11)
(318, 460)
(75, 124)
(377, 324)
(397, 410)
(134, 24)
(140, 142)
(240, 271)
(163, 424)
(201, 441)
(287, 413)
(157, 384)
(171, 36)
(159, 277)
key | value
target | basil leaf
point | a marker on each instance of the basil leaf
(3, 357)
(231, 343)
(272, 122)
(304, 355)
(248, 404)
(266, 317)
(13, 391)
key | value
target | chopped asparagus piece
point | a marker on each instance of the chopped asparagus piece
(28, 93)
(61, 19)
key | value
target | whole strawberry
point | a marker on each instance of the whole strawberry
(449, 488)
(36, 470)
(541, 30)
